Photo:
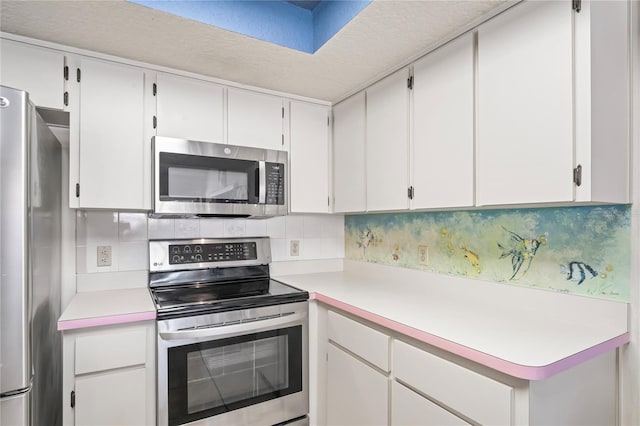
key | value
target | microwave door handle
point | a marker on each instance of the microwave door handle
(262, 182)
(222, 331)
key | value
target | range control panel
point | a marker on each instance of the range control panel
(180, 254)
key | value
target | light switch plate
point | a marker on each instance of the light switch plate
(104, 256)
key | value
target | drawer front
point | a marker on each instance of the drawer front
(409, 408)
(367, 343)
(108, 350)
(473, 395)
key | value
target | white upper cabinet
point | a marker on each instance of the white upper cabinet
(309, 158)
(190, 109)
(255, 119)
(111, 140)
(525, 100)
(602, 84)
(35, 70)
(443, 127)
(387, 155)
(349, 171)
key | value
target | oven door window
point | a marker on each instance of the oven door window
(214, 377)
(208, 179)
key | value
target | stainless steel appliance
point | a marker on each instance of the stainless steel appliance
(194, 178)
(232, 343)
(30, 215)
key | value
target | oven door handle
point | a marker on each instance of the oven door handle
(221, 331)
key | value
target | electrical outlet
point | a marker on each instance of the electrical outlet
(294, 248)
(423, 255)
(104, 256)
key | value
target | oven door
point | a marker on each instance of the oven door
(251, 372)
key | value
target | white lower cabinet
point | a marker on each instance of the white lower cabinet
(116, 398)
(109, 375)
(357, 373)
(369, 375)
(409, 408)
(357, 393)
(475, 396)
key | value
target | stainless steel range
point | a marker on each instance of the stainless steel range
(232, 343)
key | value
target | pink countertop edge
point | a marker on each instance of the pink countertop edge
(499, 364)
(106, 320)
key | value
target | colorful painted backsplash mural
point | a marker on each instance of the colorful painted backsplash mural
(580, 250)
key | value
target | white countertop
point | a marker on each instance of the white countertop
(107, 307)
(520, 331)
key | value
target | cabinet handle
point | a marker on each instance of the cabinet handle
(577, 175)
(73, 399)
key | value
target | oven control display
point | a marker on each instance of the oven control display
(219, 252)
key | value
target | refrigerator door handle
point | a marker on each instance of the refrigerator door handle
(17, 391)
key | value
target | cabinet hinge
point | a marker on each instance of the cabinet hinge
(78, 75)
(155, 89)
(410, 192)
(65, 72)
(410, 82)
(576, 5)
(577, 175)
(77, 190)
(155, 121)
(73, 399)
(65, 98)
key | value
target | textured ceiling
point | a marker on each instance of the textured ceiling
(384, 35)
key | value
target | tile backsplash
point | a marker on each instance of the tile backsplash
(319, 236)
(578, 250)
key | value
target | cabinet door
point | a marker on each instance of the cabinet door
(189, 109)
(525, 121)
(112, 398)
(309, 158)
(349, 173)
(111, 136)
(387, 143)
(409, 409)
(356, 393)
(443, 127)
(255, 119)
(34, 70)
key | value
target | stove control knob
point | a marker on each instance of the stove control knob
(197, 249)
(176, 259)
(198, 258)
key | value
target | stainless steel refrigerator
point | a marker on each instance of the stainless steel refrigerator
(30, 241)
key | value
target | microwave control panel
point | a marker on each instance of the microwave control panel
(275, 183)
(218, 252)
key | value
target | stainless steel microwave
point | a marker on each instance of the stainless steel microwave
(193, 178)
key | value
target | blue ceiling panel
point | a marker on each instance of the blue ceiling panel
(303, 25)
